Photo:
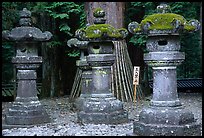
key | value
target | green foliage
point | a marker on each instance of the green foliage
(139, 40)
(54, 43)
(39, 7)
(189, 10)
(65, 28)
(73, 53)
(7, 67)
(192, 66)
(69, 16)
(9, 15)
(63, 12)
(148, 6)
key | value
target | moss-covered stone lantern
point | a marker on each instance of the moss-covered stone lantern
(165, 115)
(26, 108)
(101, 107)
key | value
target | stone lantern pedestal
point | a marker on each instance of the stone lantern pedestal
(101, 107)
(165, 116)
(86, 77)
(86, 84)
(26, 109)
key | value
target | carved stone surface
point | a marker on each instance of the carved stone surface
(100, 106)
(102, 109)
(26, 109)
(86, 77)
(165, 116)
(86, 84)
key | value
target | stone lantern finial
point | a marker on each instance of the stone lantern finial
(25, 17)
(99, 15)
(99, 30)
(163, 8)
(25, 13)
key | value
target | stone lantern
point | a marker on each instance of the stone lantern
(86, 76)
(26, 109)
(101, 107)
(165, 115)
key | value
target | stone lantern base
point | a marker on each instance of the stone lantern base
(86, 84)
(166, 121)
(79, 102)
(27, 111)
(102, 110)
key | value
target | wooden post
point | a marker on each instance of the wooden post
(135, 94)
(135, 81)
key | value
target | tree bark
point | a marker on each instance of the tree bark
(201, 23)
(114, 12)
(57, 70)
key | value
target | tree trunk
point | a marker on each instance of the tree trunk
(47, 65)
(201, 23)
(122, 70)
(114, 12)
(57, 70)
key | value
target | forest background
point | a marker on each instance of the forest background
(62, 19)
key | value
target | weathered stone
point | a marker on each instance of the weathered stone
(165, 116)
(26, 109)
(86, 77)
(100, 106)
(86, 84)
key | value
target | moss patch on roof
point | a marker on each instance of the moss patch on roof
(164, 21)
(102, 31)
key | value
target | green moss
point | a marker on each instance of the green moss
(98, 12)
(163, 21)
(138, 29)
(121, 29)
(97, 31)
(189, 28)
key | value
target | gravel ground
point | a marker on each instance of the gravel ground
(64, 118)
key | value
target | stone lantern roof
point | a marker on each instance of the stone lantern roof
(25, 32)
(100, 31)
(164, 22)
